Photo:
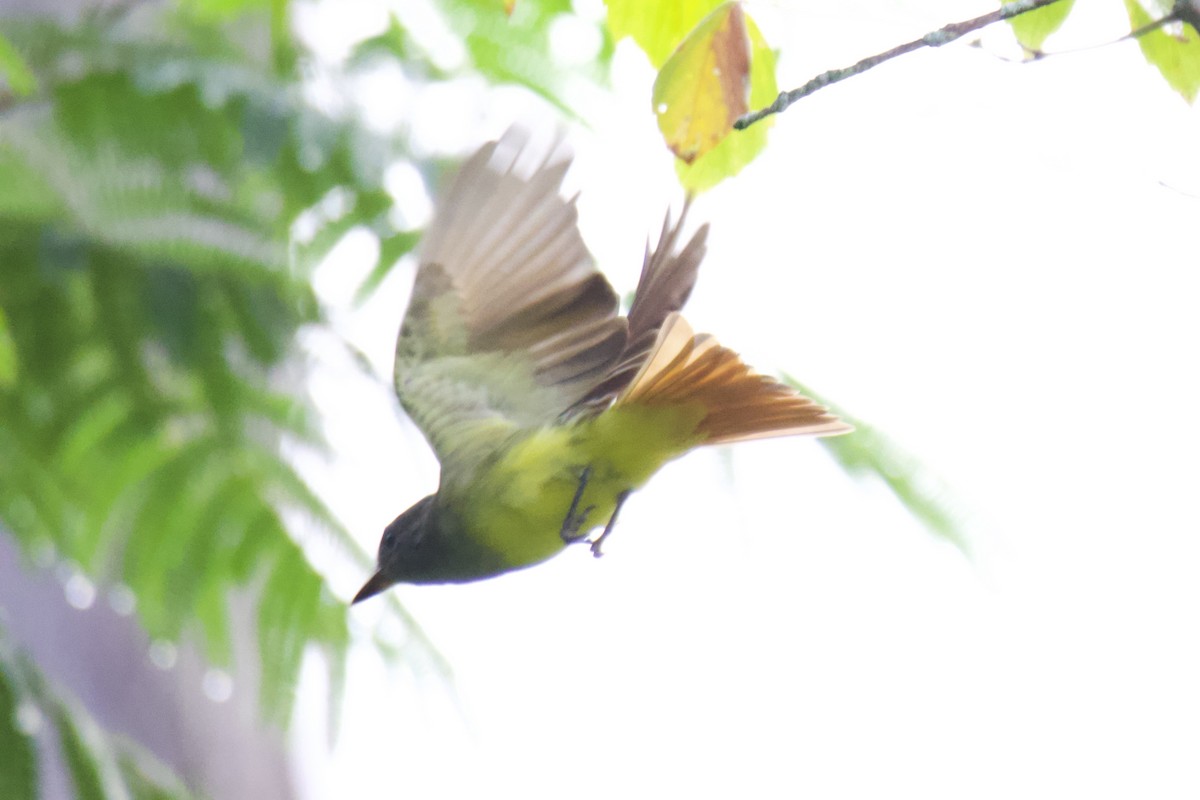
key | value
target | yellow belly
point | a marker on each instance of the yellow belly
(517, 505)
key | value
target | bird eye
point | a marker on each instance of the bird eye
(389, 539)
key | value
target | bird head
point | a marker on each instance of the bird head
(400, 552)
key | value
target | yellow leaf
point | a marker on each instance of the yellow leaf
(739, 148)
(704, 85)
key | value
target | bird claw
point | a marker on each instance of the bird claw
(573, 525)
(573, 531)
(574, 521)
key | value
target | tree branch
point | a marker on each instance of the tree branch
(944, 35)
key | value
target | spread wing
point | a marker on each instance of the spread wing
(509, 321)
(510, 325)
(664, 286)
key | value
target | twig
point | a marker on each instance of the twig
(1186, 11)
(1183, 11)
(943, 35)
(1037, 55)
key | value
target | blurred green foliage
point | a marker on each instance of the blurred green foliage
(149, 298)
(99, 764)
(18, 767)
(518, 49)
(868, 453)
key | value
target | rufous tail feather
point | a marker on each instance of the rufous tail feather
(739, 403)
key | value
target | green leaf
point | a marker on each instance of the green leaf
(8, 354)
(146, 779)
(226, 8)
(1032, 27)
(15, 70)
(1175, 52)
(18, 763)
(88, 432)
(391, 250)
(291, 595)
(26, 195)
(84, 761)
(739, 148)
(516, 49)
(868, 452)
(656, 27)
(364, 210)
(395, 42)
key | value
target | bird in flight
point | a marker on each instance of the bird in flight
(545, 407)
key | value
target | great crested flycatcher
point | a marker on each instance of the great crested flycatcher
(545, 407)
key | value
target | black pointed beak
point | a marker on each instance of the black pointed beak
(374, 585)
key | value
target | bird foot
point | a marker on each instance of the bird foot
(572, 530)
(612, 521)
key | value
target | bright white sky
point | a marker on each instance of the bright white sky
(993, 263)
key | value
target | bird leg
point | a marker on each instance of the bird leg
(575, 519)
(608, 528)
